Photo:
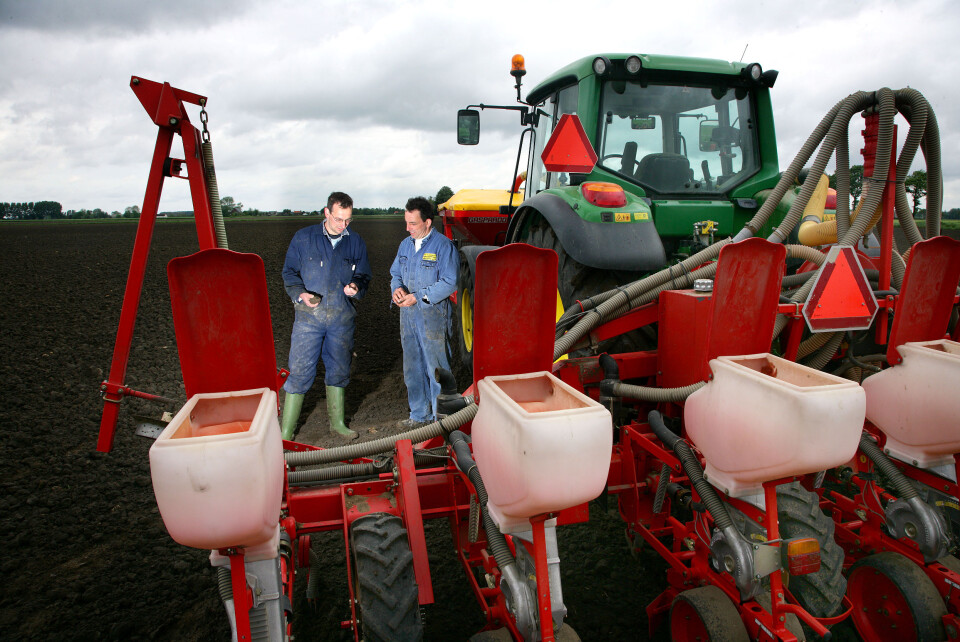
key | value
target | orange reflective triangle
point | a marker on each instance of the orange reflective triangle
(841, 299)
(569, 149)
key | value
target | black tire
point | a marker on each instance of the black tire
(706, 613)
(893, 599)
(798, 510)
(384, 581)
(461, 342)
(577, 282)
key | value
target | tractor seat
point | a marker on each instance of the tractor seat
(665, 172)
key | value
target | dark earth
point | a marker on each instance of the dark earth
(86, 554)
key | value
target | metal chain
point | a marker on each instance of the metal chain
(203, 119)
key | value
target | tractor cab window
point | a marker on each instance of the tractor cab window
(678, 140)
(538, 178)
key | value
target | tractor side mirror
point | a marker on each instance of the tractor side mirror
(468, 127)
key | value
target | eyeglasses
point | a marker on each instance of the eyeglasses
(345, 221)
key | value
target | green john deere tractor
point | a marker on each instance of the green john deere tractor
(684, 149)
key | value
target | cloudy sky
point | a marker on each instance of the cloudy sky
(306, 97)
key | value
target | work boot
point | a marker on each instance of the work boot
(291, 412)
(410, 424)
(335, 403)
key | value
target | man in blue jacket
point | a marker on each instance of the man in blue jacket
(325, 273)
(422, 277)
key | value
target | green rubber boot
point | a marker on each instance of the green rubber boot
(291, 412)
(335, 404)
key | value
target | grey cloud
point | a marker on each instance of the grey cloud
(116, 15)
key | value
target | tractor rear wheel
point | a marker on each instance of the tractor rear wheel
(798, 510)
(894, 600)
(384, 581)
(577, 282)
(705, 613)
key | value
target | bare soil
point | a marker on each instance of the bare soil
(86, 554)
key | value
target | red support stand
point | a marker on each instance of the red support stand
(165, 106)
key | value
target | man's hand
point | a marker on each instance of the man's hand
(351, 289)
(308, 299)
(403, 298)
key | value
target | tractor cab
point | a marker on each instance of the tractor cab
(665, 129)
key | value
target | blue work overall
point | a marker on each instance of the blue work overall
(431, 275)
(313, 265)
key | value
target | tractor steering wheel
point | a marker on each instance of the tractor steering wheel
(636, 163)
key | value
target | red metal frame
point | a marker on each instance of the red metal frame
(165, 105)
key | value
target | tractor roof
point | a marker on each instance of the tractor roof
(579, 69)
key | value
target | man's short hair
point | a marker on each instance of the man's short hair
(422, 205)
(339, 198)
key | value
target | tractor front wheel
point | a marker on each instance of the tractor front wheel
(384, 581)
(894, 600)
(705, 613)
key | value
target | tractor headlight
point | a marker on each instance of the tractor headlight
(601, 65)
(753, 71)
(633, 64)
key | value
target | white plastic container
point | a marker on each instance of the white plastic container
(762, 418)
(540, 445)
(916, 403)
(217, 470)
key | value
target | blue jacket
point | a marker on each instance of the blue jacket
(431, 273)
(314, 265)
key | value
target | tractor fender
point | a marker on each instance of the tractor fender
(634, 246)
(470, 253)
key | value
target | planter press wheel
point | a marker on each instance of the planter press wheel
(893, 599)
(384, 582)
(705, 613)
(576, 282)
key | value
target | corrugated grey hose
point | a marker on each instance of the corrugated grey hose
(214, 192)
(349, 471)
(658, 395)
(385, 444)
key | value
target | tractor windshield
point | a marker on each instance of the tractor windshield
(678, 140)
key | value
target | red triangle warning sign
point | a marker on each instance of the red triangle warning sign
(569, 149)
(841, 298)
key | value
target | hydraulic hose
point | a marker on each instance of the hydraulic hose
(214, 193)
(905, 489)
(691, 466)
(349, 471)
(656, 395)
(384, 444)
(823, 356)
(612, 387)
(465, 462)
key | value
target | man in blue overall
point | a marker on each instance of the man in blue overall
(325, 273)
(422, 277)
